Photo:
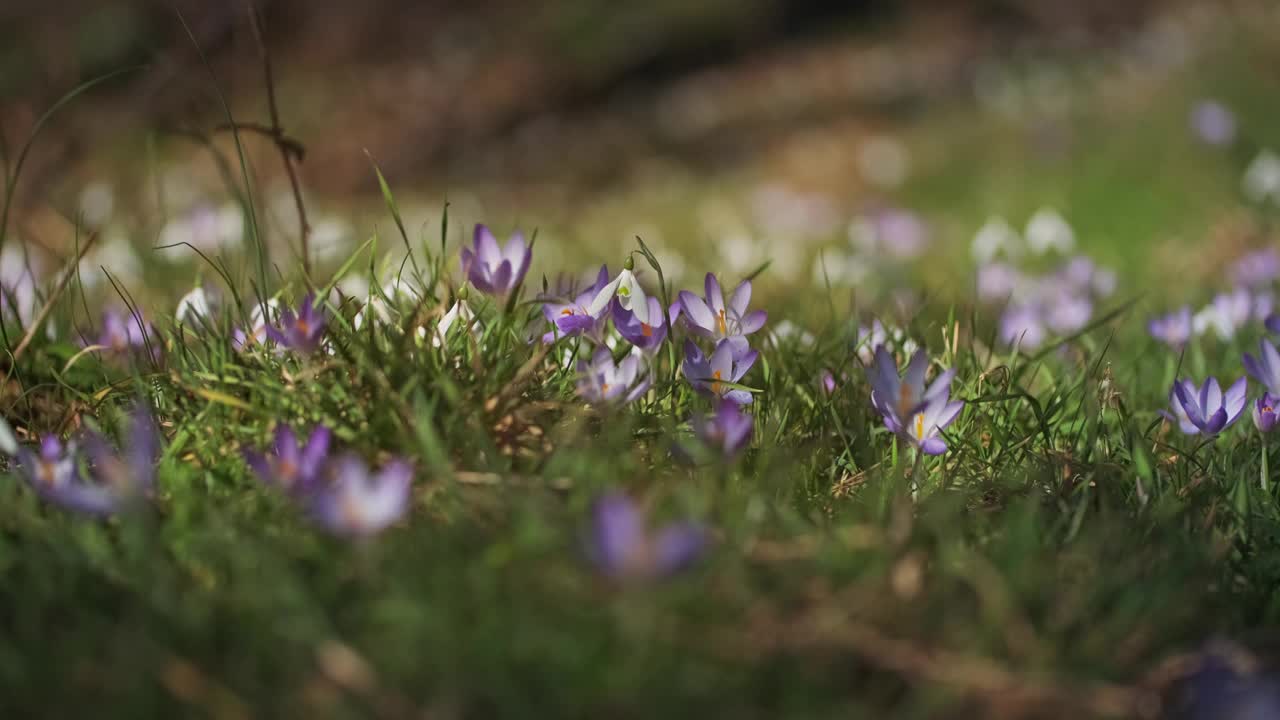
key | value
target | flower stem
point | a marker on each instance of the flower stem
(1265, 475)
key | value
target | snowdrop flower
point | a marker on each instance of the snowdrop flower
(1264, 412)
(1213, 123)
(193, 307)
(17, 284)
(353, 501)
(628, 292)
(893, 339)
(493, 270)
(995, 237)
(602, 381)
(1205, 410)
(624, 549)
(714, 375)
(460, 314)
(1261, 181)
(1048, 230)
(291, 467)
(1173, 329)
(712, 317)
(787, 331)
(909, 409)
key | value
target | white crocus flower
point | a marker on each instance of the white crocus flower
(628, 291)
(1048, 230)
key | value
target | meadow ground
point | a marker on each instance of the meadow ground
(538, 496)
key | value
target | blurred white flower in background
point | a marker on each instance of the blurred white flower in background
(17, 282)
(194, 307)
(995, 237)
(331, 239)
(117, 255)
(1261, 181)
(97, 203)
(1047, 230)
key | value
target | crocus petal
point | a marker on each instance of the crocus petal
(753, 321)
(715, 297)
(948, 414)
(603, 296)
(739, 300)
(941, 385)
(722, 362)
(914, 376)
(1233, 400)
(486, 246)
(741, 397)
(1214, 424)
(618, 532)
(1210, 396)
(678, 546)
(1187, 400)
(744, 364)
(933, 445)
(699, 314)
(315, 451)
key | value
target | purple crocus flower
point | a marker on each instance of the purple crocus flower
(1264, 412)
(727, 364)
(727, 431)
(291, 467)
(117, 479)
(1205, 410)
(493, 270)
(301, 331)
(1068, 312)
(624, 549)
(1256, 269)
(1226, 314)
(647, 336)
(1173, 329)
(603, 381)
(1023, 326)
(713, 318)
(125, 333)
(827, 382)
(997, 281)
(909, 409)
(355, 502)
(1213, 123)
(1266, 367)
(572, 318)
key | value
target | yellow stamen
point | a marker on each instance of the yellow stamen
(920, 426)
(715, 384)
(567, 311)
(721, 324)
(604, 388)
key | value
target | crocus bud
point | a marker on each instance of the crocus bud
(1264, 412)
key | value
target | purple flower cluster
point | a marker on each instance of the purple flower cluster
(1038, 307)
(727, 324)
(341, 494)
(112, 481)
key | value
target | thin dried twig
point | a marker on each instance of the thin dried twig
(53, 298)
(288, 147)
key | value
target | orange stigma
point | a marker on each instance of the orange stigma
(646, 329)
(567, 311)
(715, 382)
(920, 426)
